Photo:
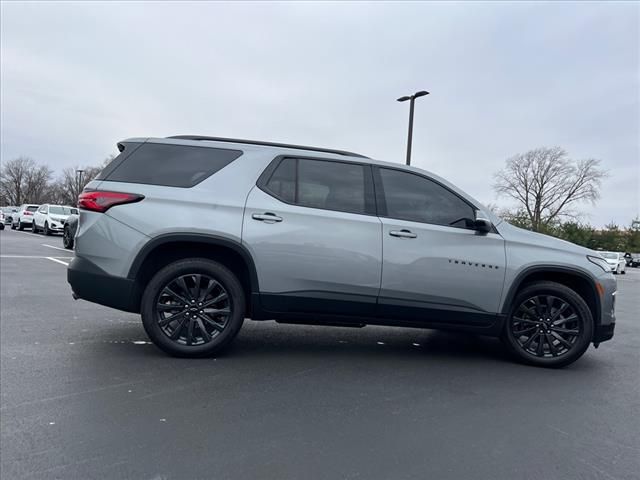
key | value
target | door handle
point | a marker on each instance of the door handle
(402, 233)
(266, 217)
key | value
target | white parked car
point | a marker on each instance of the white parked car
(1, 220)
(616, 261)
(49, 219)
(23, 217)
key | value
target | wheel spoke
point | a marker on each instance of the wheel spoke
(212, 284)
(167, 320)
(205, 335)
(526, 344)
(559, 312)
(565, 320)
(564, 342)
(196, 289)
(173, 293)
(519, 333)
(550, 300)
(552, 348)
(178, 329)
(164, 307)
(538, 306)
(567, 331)
(540, 347)
(216, 311)
(524, 320)
(183, 285)
(219, 298)
(528, 311)
(218, 327)
(190, 332)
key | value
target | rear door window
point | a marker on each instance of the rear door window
(329, 185)
(169, 165)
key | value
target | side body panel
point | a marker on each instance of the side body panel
(313, 257)
(442, 269)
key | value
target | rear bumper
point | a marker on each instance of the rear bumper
(93, 284)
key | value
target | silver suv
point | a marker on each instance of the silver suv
(199, 233)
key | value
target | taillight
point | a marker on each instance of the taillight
(27, 212)
(101, 201)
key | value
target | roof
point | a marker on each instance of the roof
(267, 144)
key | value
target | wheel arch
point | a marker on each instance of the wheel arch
(168, 248)
(582, 283)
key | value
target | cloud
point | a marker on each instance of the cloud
(504, 78)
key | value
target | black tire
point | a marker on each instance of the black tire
(624, 272)
(573, 335)
(13, 226)
(190, 270)
(21, 226)
(67, 239)
(45, 229)
(34, 227)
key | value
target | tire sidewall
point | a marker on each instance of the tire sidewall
(184, 267)
(579, 306)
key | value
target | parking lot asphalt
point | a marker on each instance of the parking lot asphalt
(84, 396)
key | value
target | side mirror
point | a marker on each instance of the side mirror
(482, 225)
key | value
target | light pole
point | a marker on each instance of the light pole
(413, 97)
(79, 185)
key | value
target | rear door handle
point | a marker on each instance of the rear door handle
(402, 233)
(266, 217)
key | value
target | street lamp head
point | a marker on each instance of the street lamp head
(421, 93)
(404, 99)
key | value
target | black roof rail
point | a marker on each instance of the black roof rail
(267, 144)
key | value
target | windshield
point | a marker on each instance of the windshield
(32, 209)
(610, 256)
(55, 210)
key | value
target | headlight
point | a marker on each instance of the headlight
(599, 261)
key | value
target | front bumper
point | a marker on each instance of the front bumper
(607, 324)
(91, 283)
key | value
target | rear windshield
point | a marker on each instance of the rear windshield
(55, 210)
(32, 209)
(168, 165)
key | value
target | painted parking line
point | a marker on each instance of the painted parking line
(57, 261)
(27, 233)
(57, 248)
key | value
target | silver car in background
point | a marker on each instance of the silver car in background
(198, 233)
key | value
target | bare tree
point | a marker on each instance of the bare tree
(69, 186)
(22, 180)
(547, 184)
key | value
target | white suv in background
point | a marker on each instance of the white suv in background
(616, 261)
(23, 217)
(50, 218)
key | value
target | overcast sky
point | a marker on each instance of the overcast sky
(504, 78)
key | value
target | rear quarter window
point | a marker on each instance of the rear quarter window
(168, 165)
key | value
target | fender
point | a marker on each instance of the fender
(515, 285)
(213, 240)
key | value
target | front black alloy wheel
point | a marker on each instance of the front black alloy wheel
(549, 325)
(193, 308)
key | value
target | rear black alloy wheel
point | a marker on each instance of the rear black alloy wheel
(549, 325)
(193, 308)
(34, 227)
(46, 230)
